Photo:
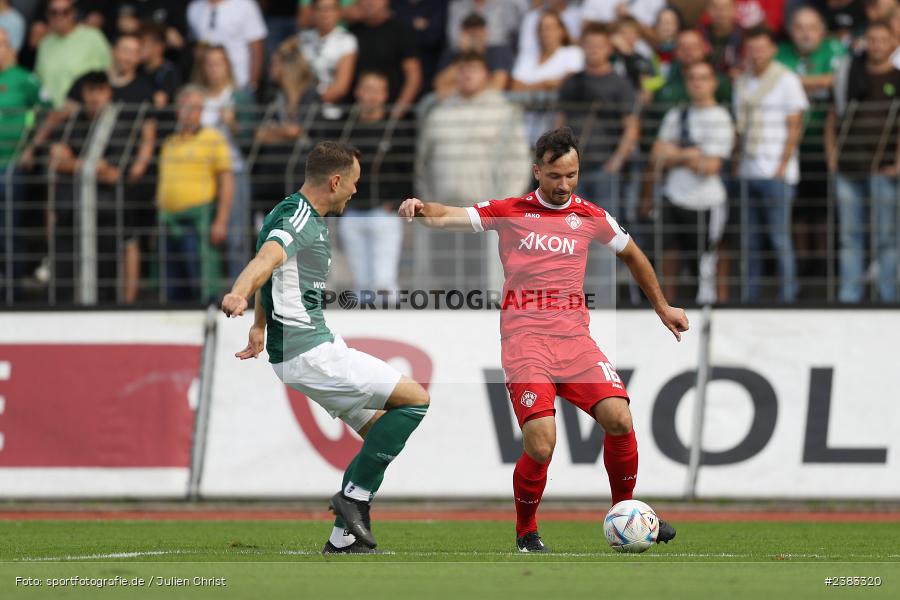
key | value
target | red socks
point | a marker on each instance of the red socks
(620, 456)
(529, 479)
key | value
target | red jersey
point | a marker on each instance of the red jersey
(544, 251)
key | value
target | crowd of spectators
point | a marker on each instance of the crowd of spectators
(186, 121)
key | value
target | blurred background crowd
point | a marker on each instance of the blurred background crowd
(753, 141)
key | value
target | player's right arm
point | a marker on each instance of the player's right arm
(437, 216)
(257, 337)
(257, 272)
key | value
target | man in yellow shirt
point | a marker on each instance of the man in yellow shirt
(194, 196)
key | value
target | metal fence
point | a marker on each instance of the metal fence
(71, 233)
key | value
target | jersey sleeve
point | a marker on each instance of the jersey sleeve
(486, 216)
(293, 231)
(609, 233)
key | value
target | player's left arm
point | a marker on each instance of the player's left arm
(257, 272)
(673, 318)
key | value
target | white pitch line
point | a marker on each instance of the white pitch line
(507, 554)
(137, 554)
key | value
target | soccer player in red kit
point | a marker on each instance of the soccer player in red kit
(546, 345)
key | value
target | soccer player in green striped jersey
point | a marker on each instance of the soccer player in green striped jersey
(288, 276)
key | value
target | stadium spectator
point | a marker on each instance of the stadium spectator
(889, 12)
(388, 45)
(295, 95)
(13, 23)
(194, 198)
(130, 16)
(134, 90)
(350, 12)
(163, 74)
(607, 11)
(473, 144)
(769, 103)
(867, 165)
(21, 95)
(693, 144)
(895, 25)
(691, 11)
(428, 19)
(237, 26)
(753, 13)
(529, 41)
(546, 71)
(230, 111)
(846, 19)
(474, 38)
(371, 233)
(724, 37)
(633, 57)
(129, 85)
(601, 107)
(879, 10)
(814, 57)
(665, 38)
(69, 50)
(690, 50)
(332, 52)
(504, 18)
(282, 20)
(96, 125)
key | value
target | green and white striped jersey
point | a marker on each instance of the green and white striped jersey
(292, 297)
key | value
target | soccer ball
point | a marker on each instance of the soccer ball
(630, 526)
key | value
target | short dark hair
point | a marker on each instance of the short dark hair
(474, 20)
(329, 158)
(557, 142)
(880, 24)
(702, 63)
(126, 35)
(626, 21)
(154, 31)
(595, 28)
(94, 79)
(758, 31)
(472, 56)
(373, 73)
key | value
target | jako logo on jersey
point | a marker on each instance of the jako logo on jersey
(534, 241)
(532, 216)
(528, 399)
(574, 221)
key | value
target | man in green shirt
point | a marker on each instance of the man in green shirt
(690, 49)
(68, 51)
(814, 57)
(19, 95)
(288, 277)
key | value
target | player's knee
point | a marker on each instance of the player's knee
(540, 447)
(541, 452)
(619, 423)
(421, 397)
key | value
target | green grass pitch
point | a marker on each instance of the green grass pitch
(440, 559)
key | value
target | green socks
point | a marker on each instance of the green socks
(383, 443)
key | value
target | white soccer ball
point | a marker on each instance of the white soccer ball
(631, 526)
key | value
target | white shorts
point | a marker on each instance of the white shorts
(349, 384)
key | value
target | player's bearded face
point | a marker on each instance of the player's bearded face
(557, 180)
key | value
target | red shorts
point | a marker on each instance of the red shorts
(539, 368)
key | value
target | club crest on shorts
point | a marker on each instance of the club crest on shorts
(574, 221)
(528, 399)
